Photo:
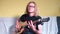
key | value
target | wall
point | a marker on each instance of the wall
(14, 8)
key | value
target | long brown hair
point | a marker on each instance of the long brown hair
(36, 12)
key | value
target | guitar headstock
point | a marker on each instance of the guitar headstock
(45, 19)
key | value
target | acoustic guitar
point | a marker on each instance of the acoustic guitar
(23, 24)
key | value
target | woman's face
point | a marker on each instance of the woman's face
(31, 7)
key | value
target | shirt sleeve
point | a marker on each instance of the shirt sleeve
(22, 18)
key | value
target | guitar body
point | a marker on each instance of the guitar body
(22, 25)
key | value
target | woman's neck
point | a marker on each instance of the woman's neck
(31, 14)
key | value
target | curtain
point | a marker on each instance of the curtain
(50, 27)
(7, 25)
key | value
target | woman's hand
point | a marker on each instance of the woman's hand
(33, 27)
(17, 26)
(30, 24)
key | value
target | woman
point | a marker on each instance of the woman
(30, 16)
